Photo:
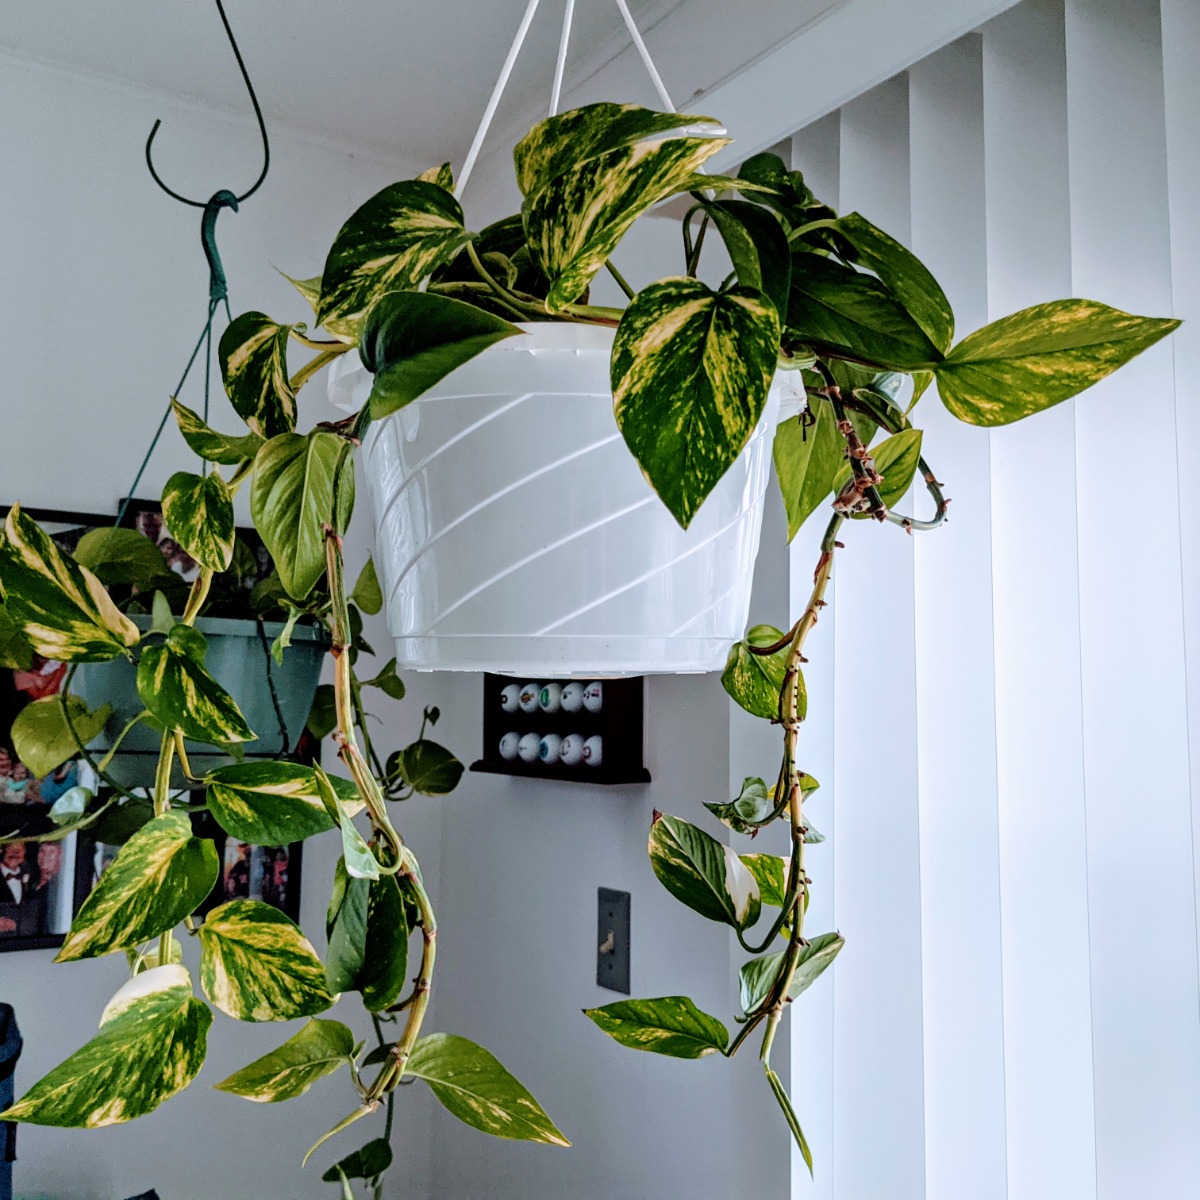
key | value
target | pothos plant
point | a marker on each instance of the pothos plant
(406, 284)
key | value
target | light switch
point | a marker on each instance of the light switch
(612, 941)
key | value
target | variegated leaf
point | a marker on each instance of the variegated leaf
(412, 340)
(253, 356)
(292, 500)
(319, 1049)
(256, 965)
(360, 862)
(1039, 357)
(806, 460)
(559, 144)
(671, 1025)
(429, 768)
(759, 974)
(16, 654)
(575, 220)
(181, 694)
(273, 803)
(160, 876)
(905, 276)
(60, 607)
(211, 445)
(42, 735)
(755, 680)
(310, 289)
(151, 1043)
(691, 369)
(896, 459)
(198, 510)
(476, 1088)
(123, 556)
(443, 176)
(703, 873)
(836, 308)
(770, 873)
(391, 243)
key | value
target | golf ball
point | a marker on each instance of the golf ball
(510, 697)
(549, 748)
(527, 747)
(571, 750)
(508, 746)
(593, 697)
(528, 699)
(593, 751)
(550, 698)
(572, 697)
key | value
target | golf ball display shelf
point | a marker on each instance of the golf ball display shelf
(585, 731)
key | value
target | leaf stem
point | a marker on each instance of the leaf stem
(512, 302)
(621, 281)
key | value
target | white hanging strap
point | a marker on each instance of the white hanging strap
(563, 42)
(497, 92)
(647, 61)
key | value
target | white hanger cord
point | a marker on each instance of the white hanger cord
(563, 41)
(647, 61)
(493, 103)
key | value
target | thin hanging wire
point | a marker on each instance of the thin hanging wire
(560, 64)
(262, 128)
(647, 61)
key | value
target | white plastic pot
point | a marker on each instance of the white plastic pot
(516, 533)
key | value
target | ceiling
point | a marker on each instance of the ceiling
(400, 77)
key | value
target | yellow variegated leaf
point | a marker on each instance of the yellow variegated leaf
(390, 244)
(253, 355)
(211, 445)
(559, 144)
(44, 738)
(159, 877)
(670, 1025)
(181, 694)
(574, 221)
(151, 1043)
(443, 176)
(1039, 357)
(256, 965)
(691, 369)
(320, 1048)
(198, 510)
(703, 873)
(60, 607)
(310, 289)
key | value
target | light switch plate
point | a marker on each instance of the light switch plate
(612, 941)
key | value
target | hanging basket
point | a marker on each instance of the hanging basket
(238, 661)
(516, 534)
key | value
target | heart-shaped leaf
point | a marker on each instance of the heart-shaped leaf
(429, 768)
(273, 803)
(368, 1163)
(181, 694)
(703, 873)
(160, 876)
(61, 608)
(671, 1025)
(41, 734)
(390, 243)
(755, 680)
(292, 501)
(198, 510)
(123, 556)
(770, 873)
(411, 340)
(473, 1085)
(806, 461)
(211, 445)
(758, 248)
(319, 1049)
(759, 974)
(253, 356)
(1039, 357)
(256, 965)
(367, 593)
(151, 1044)
(690, 372)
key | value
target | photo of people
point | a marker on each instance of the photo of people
(36, 888)
(259, 873)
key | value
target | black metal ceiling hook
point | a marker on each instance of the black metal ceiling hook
(262, 128)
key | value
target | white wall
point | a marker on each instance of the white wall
(105, 293)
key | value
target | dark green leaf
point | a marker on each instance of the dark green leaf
(159, 877)
(806, 461)
(211, 445)
(672, 1025)
(367, 594)
(151, 1044)
(412, 340)
(16, 654)
(691, 369)
(382, 975)
(394, 240)
(1039, 357)
(834, 307)
(198, 510)
(473, 1085)
(181, 694)
(253, 356)
(429, 768)
(371, 1161)
(387, 681)
(703, 873)
(322, 717)
(347, 931)
(292, 501)
(60, 608)
(758, 248)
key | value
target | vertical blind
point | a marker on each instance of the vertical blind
(1002, 711)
